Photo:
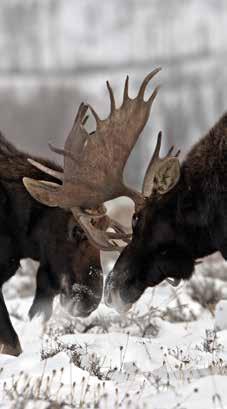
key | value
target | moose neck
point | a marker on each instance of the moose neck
(201, 192)
(195, 220)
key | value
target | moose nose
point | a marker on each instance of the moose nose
(112, 296)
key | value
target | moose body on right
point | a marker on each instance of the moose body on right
(183, 218)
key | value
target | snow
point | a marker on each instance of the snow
(167, 352)
(170, 350)
(221, 316)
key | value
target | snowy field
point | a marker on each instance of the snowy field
(168, 352)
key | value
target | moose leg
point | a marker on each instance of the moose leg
(44, 296)
(9, 342)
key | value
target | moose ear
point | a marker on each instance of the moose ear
(167, 175)
(45, 192)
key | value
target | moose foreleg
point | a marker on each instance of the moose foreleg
(43, 300)
(9, 342)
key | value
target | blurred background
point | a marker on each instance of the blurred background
(57, 53)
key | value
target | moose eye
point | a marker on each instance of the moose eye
(135, 219)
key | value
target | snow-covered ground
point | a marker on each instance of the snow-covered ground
(168, 352)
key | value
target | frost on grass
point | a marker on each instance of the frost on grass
(168, 352)
(209, 285)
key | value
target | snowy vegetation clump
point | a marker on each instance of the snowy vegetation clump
(168, 352)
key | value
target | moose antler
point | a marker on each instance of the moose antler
(94, 163)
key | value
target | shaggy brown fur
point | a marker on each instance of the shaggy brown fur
(14, 164)
(206, 163)
(174, 230)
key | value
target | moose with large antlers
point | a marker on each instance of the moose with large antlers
(181, 218)
(69, 263)
(67, 247)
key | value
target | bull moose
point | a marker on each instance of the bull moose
(46, 230)
(59, 222)
(69, 264)
(180, 216)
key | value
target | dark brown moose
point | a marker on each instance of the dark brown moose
(182, 219)
(69, 263)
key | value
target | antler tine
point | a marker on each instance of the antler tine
(112, 99)
(153, 95)
(98, 120)
(155, 158)
(107, 240)
(157, 148)
(145, 82)
(85, 119)
(170, 150)
(79, 118)
(103, 240)
(125, 95)
(169, 153)
(118, 227)
(62, 152)
(80, 113)
(117, 235)
(56, 174)
(59, 151)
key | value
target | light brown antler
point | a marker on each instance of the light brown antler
(104, 240)
(94, 164)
